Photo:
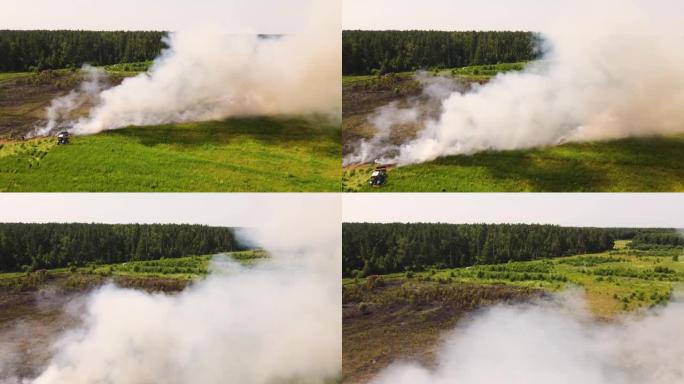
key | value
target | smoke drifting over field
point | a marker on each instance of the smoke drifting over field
(538, 344)
(209, 74)
(608, 73)
(59, 113)
(271, 323)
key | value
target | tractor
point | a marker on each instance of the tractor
(63, 137)
(378, 177)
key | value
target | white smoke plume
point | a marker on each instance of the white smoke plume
(59, 112)
(385, 119)
(276, 322)
(610, 72)
(540, 344)
(209, 73)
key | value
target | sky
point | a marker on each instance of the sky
(252, 209)
(239, 16)
(572, 209)
(454, 15)
(217, 209)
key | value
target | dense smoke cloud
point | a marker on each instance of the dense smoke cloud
(208, 73)
(276, 322)
(59, 112)
(387, 118)
(540, 344)
(609, 72)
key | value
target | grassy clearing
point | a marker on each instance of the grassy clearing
(242, 154)
(177, 271)
(616, 281)
(403, 316)
(125, 69)
(472, 73)
(634, 165)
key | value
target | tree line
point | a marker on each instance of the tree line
(378, 52)
(369, 248)
(42, 49)
(663, 237)
(37, 246)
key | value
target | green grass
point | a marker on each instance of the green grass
(483, 72)
(123, 69)
(615, 281)
(241, 154)
(635, 164)
(4, 76)
(136, 67)
(183, 268)
(472, 73)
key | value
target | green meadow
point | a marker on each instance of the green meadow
(612, 282)
(628, 165)
(180, 270)
(240, 154)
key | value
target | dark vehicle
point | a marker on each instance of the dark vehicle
(63, 137)
(378, 177)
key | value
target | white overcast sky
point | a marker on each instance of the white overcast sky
(577, 209)
(248, 16)
(247, 210)
(217, 209)
(450, 15)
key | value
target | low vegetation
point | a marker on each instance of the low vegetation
(627, 165)
(404, 315)
(241, 154)
(162, 274)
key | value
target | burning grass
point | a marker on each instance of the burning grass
(628, 165)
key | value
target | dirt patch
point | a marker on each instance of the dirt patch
(406, 319)
(23, 100)
(361, 99)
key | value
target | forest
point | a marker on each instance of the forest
(369, 248)
(658, 238)
(379, 52)
(38, 246)
(22, 51)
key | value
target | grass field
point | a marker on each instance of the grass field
(620, 280)
(635, 165)
(138, 273)
(404, 316)
(629, 165)
(471, 73)
(242, 154)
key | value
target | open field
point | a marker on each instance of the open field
(405, 315)
(183, 269)
(627, 165)
(634, 165)
(241, 154)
